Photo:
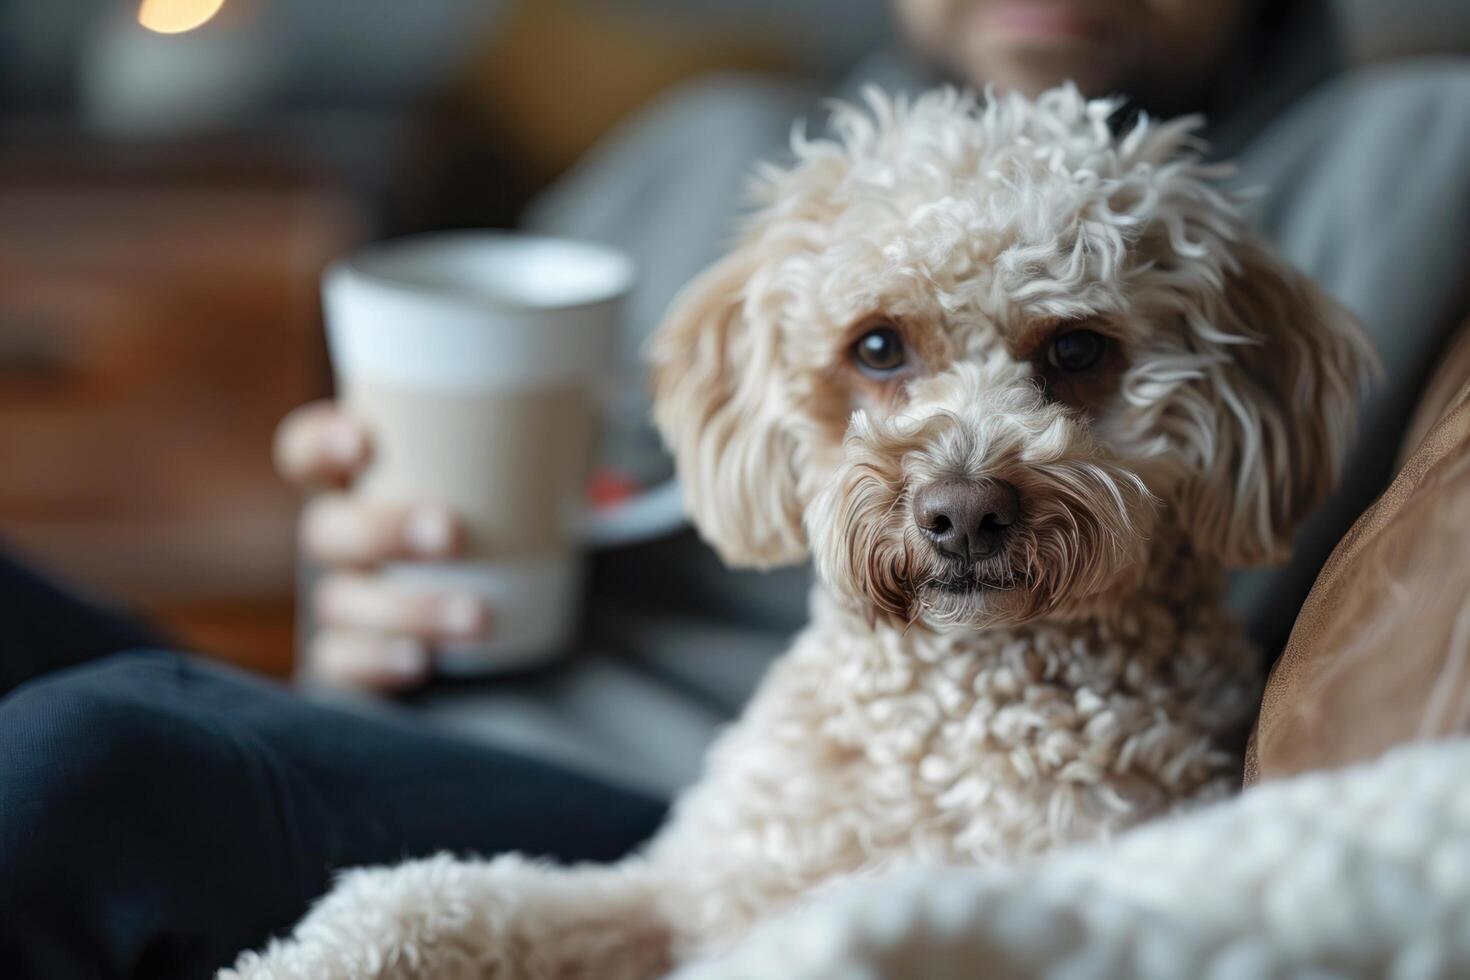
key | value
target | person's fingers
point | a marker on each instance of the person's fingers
(339, 529)
(371, 661)
(319, 443)
(368, 603)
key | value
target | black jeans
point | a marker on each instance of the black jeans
(158, 813)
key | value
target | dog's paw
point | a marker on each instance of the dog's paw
(288, 961)
(410, 921)
(509, 918)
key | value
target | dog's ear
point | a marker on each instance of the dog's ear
(1282, 389)
(717, 387)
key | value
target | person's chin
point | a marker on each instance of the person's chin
(1031, 66)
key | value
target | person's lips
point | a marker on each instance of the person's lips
(1042, 20)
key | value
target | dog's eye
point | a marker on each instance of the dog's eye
(879, 351)
(1076, 351)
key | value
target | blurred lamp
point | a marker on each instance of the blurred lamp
(170, 68)
(177, 16)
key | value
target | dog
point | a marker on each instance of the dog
(1023, 383)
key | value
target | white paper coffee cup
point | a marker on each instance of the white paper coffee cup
(479, 361)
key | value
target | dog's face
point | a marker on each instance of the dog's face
(971, 358)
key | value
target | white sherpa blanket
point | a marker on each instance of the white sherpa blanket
(1359, 873)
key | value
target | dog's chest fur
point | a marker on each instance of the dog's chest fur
(869, 747)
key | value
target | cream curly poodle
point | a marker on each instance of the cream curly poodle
(1023, 387)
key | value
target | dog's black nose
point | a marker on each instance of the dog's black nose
(966, 519)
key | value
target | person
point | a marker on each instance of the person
(158, 813)
(1314, 146)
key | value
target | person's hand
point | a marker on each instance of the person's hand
(366, 633)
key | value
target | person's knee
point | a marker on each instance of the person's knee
(131, 785)
(74, 746)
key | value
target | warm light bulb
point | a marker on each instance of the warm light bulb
(177, 16)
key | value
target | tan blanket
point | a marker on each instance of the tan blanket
(1380, 653)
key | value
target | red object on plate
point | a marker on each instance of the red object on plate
(608, 487)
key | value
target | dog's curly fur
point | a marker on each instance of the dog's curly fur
(1082, 677)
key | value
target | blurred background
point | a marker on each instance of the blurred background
(174, 174)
